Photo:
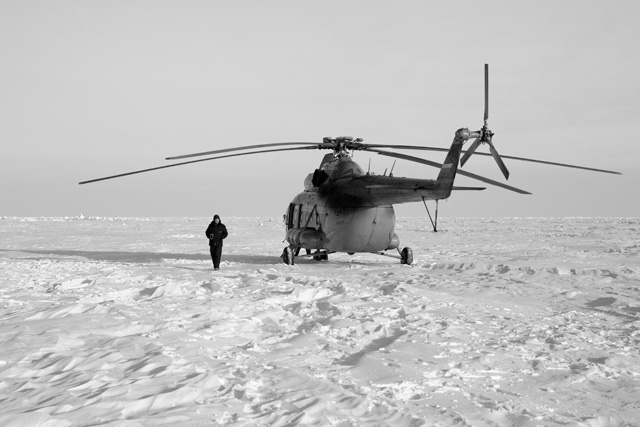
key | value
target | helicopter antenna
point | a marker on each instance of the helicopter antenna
(369, 170)
(393, 166)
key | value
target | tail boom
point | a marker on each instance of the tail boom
(447, 174)
(387, 190)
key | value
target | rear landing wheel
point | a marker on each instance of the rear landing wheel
(406, 256)
(320, 256)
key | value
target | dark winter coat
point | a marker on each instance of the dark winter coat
(216, 233)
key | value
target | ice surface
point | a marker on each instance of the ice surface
(499, 322)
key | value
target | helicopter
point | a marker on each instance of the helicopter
(347, 210)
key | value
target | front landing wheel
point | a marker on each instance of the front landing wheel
(406, 256)
(288, 255)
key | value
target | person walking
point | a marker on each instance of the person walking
(216, 233)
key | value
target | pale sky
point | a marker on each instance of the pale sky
(96, 88)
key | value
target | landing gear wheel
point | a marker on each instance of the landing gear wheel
(321, 257)
(406, 256)
(288, 256)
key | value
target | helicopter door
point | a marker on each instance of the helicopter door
(294, 217)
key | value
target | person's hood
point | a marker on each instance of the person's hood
(218, 217)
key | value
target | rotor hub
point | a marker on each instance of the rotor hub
(485, 135)
(342, 144)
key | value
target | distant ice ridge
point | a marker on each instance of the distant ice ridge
(72, 218)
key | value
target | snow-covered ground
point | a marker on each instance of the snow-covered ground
(499, 322)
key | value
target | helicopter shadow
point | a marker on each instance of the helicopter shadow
(147, 257)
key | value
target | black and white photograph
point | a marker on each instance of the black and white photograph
(340, 213)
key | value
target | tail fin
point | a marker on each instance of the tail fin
(449, 168)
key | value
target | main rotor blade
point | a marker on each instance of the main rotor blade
(564, 165)
(470, 151)
(246, 147)
(522, 159)
(460, 172)
(407, 157)
(498, 160)
(193, 161)
(403, 147)
(492, 182)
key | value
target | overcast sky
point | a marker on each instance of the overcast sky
(95, 88)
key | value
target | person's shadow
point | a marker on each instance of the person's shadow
(147, 257)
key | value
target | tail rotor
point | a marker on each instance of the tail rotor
(485, 134)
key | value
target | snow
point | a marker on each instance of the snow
(499, 322)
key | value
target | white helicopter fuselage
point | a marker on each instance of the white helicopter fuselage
(313, 222)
